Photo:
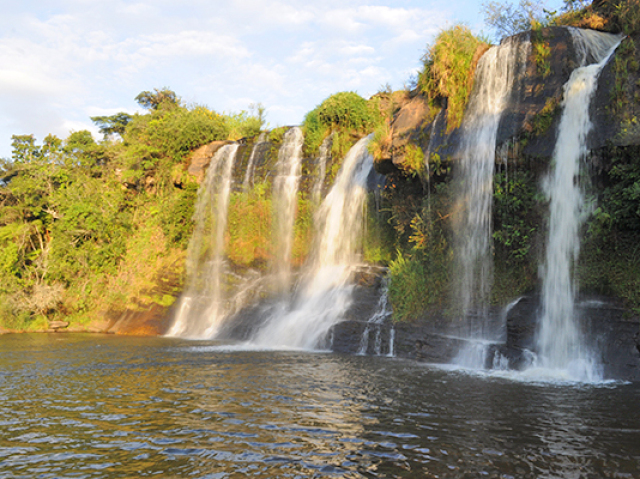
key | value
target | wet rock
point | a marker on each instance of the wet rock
(607, 329)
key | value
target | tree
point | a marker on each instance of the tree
(24, 148)
(161, 98)
(82, 150)
(112, 125)
(507, 19)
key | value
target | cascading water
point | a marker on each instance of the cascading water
(392, 342)
(251, 164)
(323, 156)
(202, 306)
(324, 294)
(285, 199)
(495, 75)
(559, 341)
(382, 312)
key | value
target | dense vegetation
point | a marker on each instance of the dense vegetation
(88, 226)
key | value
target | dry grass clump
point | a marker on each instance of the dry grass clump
(448, 70)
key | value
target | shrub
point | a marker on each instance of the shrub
(408, 288)
(345, 113)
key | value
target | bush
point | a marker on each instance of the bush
(347, 110)
(408, 288)
(345, 113)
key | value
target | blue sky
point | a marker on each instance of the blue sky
(62, 61)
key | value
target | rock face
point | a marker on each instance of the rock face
(201, 158)
(533, 111)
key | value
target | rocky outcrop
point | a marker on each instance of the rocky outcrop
(532, 115)
(201, 158)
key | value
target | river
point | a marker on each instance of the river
(85, 406)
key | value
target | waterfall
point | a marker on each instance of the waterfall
(285, 200)
(559, 342)
(494, 83)
(324, 294)
(475, 352)
(392, 339)
(251, 164)
(382, 312)
(364, 342)
(202, 306)
(323, 156)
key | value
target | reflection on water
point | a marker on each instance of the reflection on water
(93, 406)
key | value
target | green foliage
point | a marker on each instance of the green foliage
(419, 273)
(112, 125)
(414, 161)
(409, 287)
(380, 144)
(249, 230)
(379, 237)
(625, 15)
(90, 234)
(243, 125)
(172, 134)
(347, 110)
(314, 131)
(543, 120)
(87, 226)
(541, 49)
(448, 70)
(176, 215)
(345, 113)
(621, 196)
(158, 99)
(625, 62)
(515, 222)
(276, 136)
(24, 149)
(340, 146)
(420, 278)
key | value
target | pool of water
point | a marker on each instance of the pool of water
(81, 406)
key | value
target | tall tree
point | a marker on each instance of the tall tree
(157, 99)
(507, 19)
(112, 125)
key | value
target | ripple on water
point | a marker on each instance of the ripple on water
(132, 407)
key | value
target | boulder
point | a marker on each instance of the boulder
(55, 325)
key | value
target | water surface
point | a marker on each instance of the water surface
(81, 406)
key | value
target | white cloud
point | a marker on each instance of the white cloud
(71, 126)
(61, 62)
(182, 44)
